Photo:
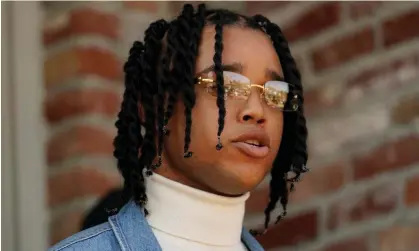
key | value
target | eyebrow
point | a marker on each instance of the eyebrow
(274, 75)
(238, 68)
(234, 67)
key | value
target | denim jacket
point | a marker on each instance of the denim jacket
(126, 231)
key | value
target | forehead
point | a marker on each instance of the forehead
(251, 48)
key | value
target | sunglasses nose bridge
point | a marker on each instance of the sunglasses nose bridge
(257, 86)
(261, 89)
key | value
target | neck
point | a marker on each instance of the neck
(193, 214)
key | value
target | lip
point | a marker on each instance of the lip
(257, 152)
(251, 150)
(258, 135)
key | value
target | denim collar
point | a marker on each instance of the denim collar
(134, 234)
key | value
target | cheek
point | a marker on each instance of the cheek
(205, 119)
(204, 124)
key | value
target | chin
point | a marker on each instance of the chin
(235, 190)
(231, 192)
(238, 182)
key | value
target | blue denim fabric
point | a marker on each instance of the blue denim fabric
(126, 231)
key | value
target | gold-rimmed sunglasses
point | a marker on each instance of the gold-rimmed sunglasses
(236, 86)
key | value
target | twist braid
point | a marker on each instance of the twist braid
(189, 95)
(129, 139)
(185, 67)
(300, 155)
(163, 86)
(153, 44)
(172, 84)
(220, 80)
(295, 132)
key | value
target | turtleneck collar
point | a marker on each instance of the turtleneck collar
(192, 214)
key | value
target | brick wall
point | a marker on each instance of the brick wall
(360, 65)
(85, 46)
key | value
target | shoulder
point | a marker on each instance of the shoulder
(98, 238)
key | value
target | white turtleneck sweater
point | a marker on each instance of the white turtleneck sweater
(186, 219)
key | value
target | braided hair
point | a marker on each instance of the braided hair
(164, 66)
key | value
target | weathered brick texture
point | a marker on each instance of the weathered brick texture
(287, 233)
(344, 49)
(70, 106)
(359, 243)
(83, 22)
(361, 73)
(314, 21)
(399, 238)
(360, 65)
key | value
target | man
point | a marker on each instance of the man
(213, 102)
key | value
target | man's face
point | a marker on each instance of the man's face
(237, 168)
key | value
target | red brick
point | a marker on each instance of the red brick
(388, 157)
(84, 22)
(260, 7)
(407, 110)
(65, 226)
(399, 238)
(90, 182)
(358, 244)
(100, 62)
(81, 102)
(79, 140)
(401, 28)
(382, 77)
(258, 200)
(318, 182)
(316, 20)
(291, 231)
(321, 98)
(387, 75)
(412, 192)
(359, 10)
(142, 6)
(343, 49)
(81, 61)
(363, 206)
(338, 131)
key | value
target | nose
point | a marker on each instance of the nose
(252, 110)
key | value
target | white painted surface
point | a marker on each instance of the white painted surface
(23, 162)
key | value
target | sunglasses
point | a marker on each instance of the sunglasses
(236, 86)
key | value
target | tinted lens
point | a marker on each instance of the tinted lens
(236, 85)
(276, 93)
(239, 87)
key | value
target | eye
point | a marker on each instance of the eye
(236, 85)
(276, 93)
(278, 86)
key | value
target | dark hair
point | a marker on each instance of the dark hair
(164, 66)
(103, 208)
